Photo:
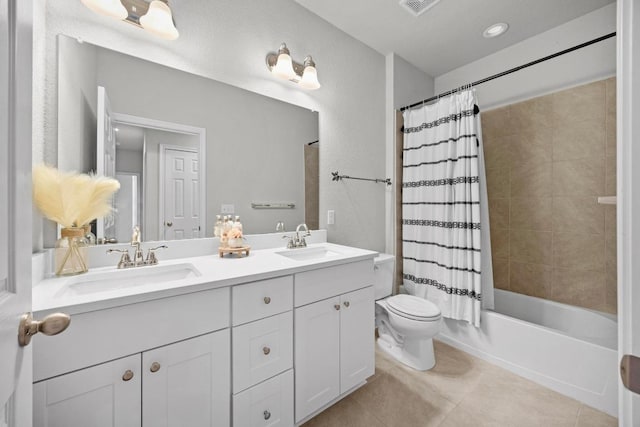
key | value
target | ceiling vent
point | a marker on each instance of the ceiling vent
(418, 7)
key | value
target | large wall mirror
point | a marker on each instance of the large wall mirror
(184, 148)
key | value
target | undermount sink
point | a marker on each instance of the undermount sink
(308, 254)
(121, 279)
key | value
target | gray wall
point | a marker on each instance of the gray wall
(228, 41)
(78, 97)
(405, 84)
(129, 161)
(410, 84)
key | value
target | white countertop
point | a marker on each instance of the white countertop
(52, 294)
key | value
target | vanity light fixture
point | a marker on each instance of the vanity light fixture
(155, 17)
(112, 8)
(282, 66)
(159, 21)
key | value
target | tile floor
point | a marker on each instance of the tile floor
(461, 390)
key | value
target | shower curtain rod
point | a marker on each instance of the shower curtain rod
(513, 70)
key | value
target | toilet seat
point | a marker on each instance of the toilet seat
(414, 308)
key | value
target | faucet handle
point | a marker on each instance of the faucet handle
(125, 259)
(151, 255)
(292, 241)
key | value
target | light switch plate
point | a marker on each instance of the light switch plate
(227, 209)
(331, 217)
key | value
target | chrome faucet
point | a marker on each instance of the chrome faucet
(302, 243)
(136, 241)
(138, 258)
(297, 240)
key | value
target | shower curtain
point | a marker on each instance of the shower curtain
(445, 228)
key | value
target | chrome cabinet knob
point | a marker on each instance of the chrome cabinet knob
(267, 300)
(337, 306)
(128, 374)
(266, 350)
(155, 367)
(347, 304)
(52, 324)
(267, 415)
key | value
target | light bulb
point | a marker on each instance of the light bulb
(112, 8)
(284, 65)
(309, 75)
(159, 21)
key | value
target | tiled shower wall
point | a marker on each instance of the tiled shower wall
(548, 159)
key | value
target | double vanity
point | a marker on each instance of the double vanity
(265, 340)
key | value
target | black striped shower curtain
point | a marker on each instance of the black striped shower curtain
(445, 228)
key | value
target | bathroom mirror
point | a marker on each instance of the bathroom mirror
(248, 155)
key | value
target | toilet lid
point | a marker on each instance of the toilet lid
(413, 306)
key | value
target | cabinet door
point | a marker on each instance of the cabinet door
(188, 383)
(317, 355)
(105, 395)
(357, 353)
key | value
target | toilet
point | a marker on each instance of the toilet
(406, 323)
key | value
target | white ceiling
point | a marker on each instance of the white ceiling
(449, 34)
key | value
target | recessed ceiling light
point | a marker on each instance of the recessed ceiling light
(495, 30)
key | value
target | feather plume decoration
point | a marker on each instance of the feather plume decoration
(71, 199)
(98, 204)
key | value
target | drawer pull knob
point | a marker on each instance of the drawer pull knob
(267, 300)
(347, 304)
(128, 374)
(266, 350)
(155, 367)
(267, 415)
(337, 306)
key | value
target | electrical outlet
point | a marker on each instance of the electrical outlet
(227, 209)
(331, 217)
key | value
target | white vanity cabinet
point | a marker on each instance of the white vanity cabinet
(186, 383)
(334, 337)
(178, 371)
(267, 353)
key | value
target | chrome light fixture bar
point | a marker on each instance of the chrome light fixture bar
(155, 17)
(281, 65)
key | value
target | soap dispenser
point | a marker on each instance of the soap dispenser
(217, 228)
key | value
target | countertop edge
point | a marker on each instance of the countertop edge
(202, 283)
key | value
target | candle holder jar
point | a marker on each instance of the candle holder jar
(71, 252)
(88, 235)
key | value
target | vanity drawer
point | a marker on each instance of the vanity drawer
(261, 299)
(316, 285)
(103, 335)
(267, 404)
(261, 350)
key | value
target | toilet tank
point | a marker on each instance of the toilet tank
(383, 275)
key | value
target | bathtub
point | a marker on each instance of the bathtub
(568, 349)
